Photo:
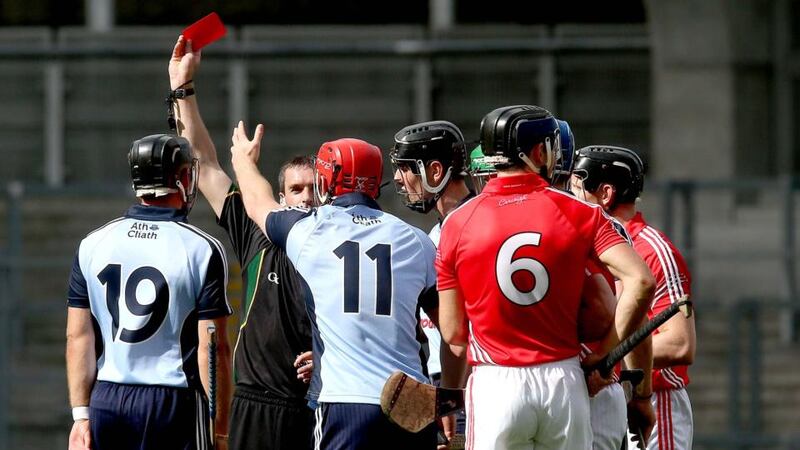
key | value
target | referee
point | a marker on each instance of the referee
(269, 409)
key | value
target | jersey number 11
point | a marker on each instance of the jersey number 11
(349, 251)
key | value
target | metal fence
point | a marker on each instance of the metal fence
(68, 88)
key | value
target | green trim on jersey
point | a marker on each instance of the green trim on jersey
(253, 272)
(253, 275)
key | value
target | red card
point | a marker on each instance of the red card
(204, 31)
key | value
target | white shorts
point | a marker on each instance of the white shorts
(674, 428)
(540, 407)
(609, 413)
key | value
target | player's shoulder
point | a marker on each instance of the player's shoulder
(399, 226)
(198, 237)
(295, 212)
(396, 230)
(104, 228)
(98, 234)
(421, 235)
(281, 221)
(579, 212)
(652, 240)
(569, 201)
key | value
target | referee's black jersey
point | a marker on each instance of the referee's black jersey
(275, 326)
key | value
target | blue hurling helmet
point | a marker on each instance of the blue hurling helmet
(564, 161)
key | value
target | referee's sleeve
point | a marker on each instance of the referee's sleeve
(246, 238)
(78, 295)
(213, 300)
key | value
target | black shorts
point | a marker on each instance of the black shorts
(359, 426)
(260, 421)
(139, 417)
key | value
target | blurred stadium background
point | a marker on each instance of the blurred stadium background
(707, 91)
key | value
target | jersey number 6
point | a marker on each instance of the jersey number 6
(111, 276)
(507, 266)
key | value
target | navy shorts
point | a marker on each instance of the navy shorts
(359, 426)
(139, 417)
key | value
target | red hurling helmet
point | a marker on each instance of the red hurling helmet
(347, 165)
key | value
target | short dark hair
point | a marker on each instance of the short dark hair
(297, 162)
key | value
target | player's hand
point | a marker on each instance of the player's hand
(595, 382)
(305, 366)
(244, 147)
(183, 64)
(448, 427)
(80, 438)
(641, 417)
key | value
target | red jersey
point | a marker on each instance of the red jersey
(517, 253)
(672, 282)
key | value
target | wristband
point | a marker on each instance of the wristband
(221, 436)
(642, 397)
(80, 413)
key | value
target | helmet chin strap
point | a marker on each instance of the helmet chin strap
(182, 191)
(424, 179)
(187, 200)
(425, 205)
(543, 171)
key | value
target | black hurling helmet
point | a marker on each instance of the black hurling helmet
(417, 145)
(617, 166)
(156, 162)
(509, 133)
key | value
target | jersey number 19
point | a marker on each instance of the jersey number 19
(111, 277)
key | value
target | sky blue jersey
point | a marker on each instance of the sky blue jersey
(148, 277)
(366, 274)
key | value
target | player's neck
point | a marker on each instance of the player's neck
(514, 171)
(454, 193)
(624, 213)
(168, 201)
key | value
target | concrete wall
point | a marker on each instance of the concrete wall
(712, 75)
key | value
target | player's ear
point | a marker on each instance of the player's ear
(539, 155)
(435, 172)
(607, 194)
(281, 199)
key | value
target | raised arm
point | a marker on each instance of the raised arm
(257, 193)
(213, 182)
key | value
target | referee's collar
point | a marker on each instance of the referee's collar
(145, 212)
(355, 198)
